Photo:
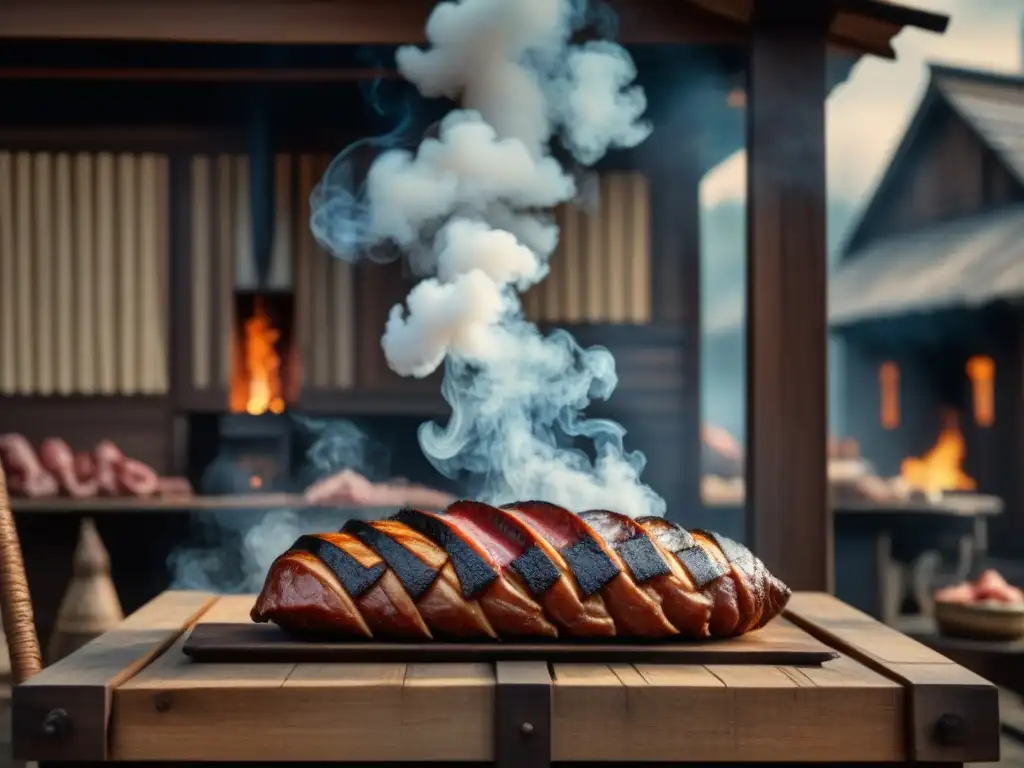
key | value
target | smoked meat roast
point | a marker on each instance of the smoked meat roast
(529, 570)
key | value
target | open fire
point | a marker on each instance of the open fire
(940, 468)
(256, 382)
(936, 472)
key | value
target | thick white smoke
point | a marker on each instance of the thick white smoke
(471, 210)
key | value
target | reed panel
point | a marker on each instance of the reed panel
(83, 273)
(601, 269)
(325, 296)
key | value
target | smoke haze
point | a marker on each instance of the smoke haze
(470, 209)
(234, 548)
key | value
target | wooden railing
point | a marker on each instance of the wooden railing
(83, 273)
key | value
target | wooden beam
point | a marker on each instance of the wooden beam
(789, 523)
(198, 75)
(307, 22)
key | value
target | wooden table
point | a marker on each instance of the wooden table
(132, 695)
(1001, 662)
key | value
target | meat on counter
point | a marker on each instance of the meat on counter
(57, 470)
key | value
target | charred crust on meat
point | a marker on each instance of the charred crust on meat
(642, 558)
(703, 568)
(415, 575)
(734, 552)
(670, 535)
(355, 578)
(536, 569)
(590, 565)
(475, 574)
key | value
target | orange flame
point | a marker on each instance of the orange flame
(941, 467)
(256, 387)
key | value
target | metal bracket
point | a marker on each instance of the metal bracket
(522, 712)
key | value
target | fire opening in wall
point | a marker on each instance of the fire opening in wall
(889, 384)
(940, 468)
(262, 379)
(981, 370)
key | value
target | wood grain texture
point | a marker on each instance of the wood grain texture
(953, 714)
(82, 684)
(726, 713)
(354, 712)
(180, 711)
(789, 524)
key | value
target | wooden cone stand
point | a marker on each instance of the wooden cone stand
(90, 606)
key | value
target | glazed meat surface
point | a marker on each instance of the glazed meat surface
(525, 570)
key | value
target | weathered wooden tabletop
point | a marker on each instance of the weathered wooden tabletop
(133, 695)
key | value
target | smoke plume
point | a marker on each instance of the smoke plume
(234, 548)
(470, 210)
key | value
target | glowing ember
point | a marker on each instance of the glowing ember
(941, 467)
(257, 386)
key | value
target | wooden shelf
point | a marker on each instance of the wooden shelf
(953, 505)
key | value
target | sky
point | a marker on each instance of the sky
(867, 115)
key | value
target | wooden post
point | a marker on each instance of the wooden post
(674, 172)
(789, 524)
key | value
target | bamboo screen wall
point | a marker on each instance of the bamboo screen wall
(223, 261)
(83, 273)
(601, 270)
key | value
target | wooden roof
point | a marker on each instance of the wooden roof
(860, 26)
(967, 262)
(964, 263)
(991, 105)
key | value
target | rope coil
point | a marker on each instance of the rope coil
(15, 599)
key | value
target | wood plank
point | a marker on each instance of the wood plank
(953, 714)
(732, 713)
(788, 522)
(82, 684)
(180, 711)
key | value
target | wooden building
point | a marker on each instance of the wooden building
(927, 297)
(131, 180)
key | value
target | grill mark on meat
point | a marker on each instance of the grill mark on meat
(590, 565)
(474, 573)
(415, 575)
(355, 578)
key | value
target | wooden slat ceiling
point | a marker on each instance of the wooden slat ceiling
(860, 26)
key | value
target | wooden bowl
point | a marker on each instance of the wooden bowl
(980, 621)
